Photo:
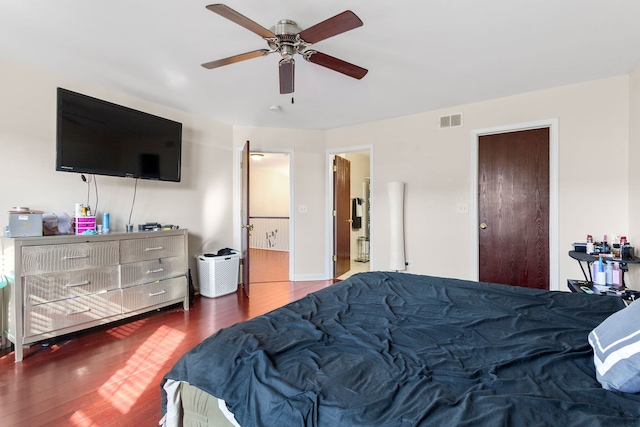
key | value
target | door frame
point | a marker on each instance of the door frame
(245, 219)
(552, 124)
(237, 195)
(329, 235)
(342, 220)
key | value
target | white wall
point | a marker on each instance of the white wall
(308, 177)
(593, 183)
(633, 278)
(201, 202)
(269, 189)
(435, 165)
(597, 192)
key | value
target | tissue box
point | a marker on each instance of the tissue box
(25, 224)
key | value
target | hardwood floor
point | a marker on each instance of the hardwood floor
(110, 376)
(268, 266)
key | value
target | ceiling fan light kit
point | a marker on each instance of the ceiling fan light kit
(287, 39)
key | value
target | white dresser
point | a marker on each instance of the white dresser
(62, 284)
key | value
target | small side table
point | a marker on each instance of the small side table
(585, 287)
(589, 259)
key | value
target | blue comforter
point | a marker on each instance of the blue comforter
(393, 349)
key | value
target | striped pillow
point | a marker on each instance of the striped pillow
(616, 350)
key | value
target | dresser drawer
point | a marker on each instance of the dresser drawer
(68, 256)
(47, 287)
(137, 273)
(153, 247)
(143, 296)
(44, 318)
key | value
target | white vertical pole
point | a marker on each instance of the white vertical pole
(396, 220)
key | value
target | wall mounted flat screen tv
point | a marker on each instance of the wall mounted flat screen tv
(98, 137)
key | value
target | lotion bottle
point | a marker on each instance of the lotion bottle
(609, 273)
(616, 276)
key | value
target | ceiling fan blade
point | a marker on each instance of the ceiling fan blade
(339, 24)
(236, 58)
(336, 64)
(287, 75)
(232, 15)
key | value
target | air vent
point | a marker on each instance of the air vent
(452, 121)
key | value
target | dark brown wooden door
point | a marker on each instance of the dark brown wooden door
(513, 208)
(342, 215)
(245, 217)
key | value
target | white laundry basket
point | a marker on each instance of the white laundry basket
(218, 275)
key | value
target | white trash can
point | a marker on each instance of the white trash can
(218, 275)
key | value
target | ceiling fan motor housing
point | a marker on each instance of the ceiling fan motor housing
(286, 27)
(286, 43)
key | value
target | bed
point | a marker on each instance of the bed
(395, 349)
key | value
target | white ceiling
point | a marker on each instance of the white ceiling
(421, 54)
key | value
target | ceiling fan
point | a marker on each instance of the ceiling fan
(287, 39)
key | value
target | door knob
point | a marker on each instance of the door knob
(249, 228)
(483, 225)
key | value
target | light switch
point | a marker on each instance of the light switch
(303, 209)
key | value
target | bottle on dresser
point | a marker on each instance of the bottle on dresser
(590, 248)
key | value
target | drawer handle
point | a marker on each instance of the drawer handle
(75, 257)
(157, 270)
(71, 313)
(84, 283)
(158, 248)
(155, 294)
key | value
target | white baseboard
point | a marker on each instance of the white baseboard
(309, 277)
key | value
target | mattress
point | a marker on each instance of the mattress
(200, 409)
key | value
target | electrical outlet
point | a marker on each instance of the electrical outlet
(462, 208)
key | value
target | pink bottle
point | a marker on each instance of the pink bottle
(616, 275)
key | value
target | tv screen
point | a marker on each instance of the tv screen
(98, 137)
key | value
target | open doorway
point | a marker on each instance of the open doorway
(357, 194)
(270, 204)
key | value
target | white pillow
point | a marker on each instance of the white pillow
(616, 350)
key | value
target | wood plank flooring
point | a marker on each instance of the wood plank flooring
(268, 266)
(110, 376)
